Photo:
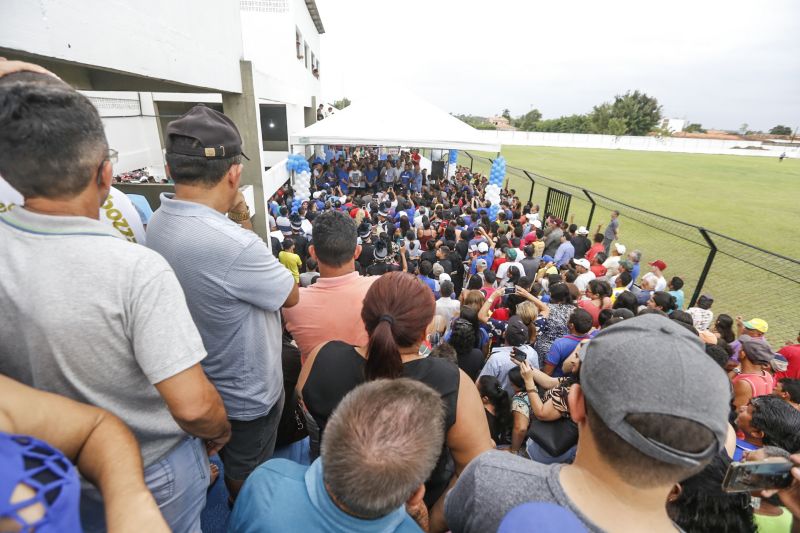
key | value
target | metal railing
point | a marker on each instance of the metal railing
(742, 278)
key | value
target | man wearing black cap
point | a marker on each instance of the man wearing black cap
(233, 284)
(651, 409)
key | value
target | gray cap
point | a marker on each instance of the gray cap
(517, 332)
(757, 350)
(650, 365)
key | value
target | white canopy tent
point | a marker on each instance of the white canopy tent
(397, 120)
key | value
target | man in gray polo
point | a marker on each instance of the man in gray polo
(612, 231)
(651, 409)
(234, 286)
(89, 315)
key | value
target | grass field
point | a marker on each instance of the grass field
(753, 199)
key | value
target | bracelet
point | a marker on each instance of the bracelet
(532, 390)
(239, 217)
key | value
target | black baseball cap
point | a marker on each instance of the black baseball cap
(217, 135)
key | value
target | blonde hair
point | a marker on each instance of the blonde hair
(528, 312)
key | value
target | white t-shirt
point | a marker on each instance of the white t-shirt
(502, 270)
(582, 281)
(661, 282)
(448, 308)
(117, 211)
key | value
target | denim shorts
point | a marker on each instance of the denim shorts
(178, 482)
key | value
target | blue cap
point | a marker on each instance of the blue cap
(51, 476)
(547, 259)
(542, 518)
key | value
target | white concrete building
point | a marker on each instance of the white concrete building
(673, 125)
(144, 62)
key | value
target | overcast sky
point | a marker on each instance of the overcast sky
(718, 63)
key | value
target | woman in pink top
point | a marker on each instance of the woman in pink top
(751, 378)
(599, 294)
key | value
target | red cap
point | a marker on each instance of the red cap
(659, 263)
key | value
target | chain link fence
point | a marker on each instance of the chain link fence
(743, 279)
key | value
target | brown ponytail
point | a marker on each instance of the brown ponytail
(397, 310)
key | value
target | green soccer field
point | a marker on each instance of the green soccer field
(753, 199)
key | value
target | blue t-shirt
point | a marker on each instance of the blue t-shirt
(560, 350)
(741, 447)
(283, 496)
(679, 297)
(371, 176)
(405, 177)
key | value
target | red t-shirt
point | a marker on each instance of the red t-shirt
(792, 355)
(599, 270)
(497, 262)
(596, 247)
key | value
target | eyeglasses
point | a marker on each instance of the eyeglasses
(111, 156)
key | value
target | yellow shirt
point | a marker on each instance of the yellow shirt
(292, 262)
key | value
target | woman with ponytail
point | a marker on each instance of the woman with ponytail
(663, 301)
(396, 312)
(498, 410)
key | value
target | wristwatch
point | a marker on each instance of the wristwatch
(239, 217)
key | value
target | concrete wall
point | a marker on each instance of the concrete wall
(146, 38)
(652, 144)
(131, 128)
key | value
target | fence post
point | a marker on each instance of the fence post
(533, 184)
(591, 211)
(470, 160)
(710, 259)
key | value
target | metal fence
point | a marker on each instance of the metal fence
(743, 279)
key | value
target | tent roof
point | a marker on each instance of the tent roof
(402, 120)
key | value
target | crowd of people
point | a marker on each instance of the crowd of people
(389, 358)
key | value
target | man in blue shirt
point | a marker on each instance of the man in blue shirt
(579, 324)
(417, 179)
(406, 175)
(234, 286)
(565, 251)
(343, 177)
(380, 445)
(371, 175)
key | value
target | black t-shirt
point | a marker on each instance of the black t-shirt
(581, 245)
(300, 246)
(428, 255)
(378, 269)
(367, 256)
(462, 247)
(339, 368)
(471, 363)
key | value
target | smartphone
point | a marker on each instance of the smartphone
(518, 354)
(771, 473)
(510, 290)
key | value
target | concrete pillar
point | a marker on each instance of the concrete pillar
(243, 110)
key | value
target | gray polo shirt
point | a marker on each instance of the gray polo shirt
(91, 316)
(234, 288)
(611, 230)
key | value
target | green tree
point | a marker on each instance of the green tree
(507, 114)
(743, 128)
(639, 111)
(694, 127)
(527, 122)
(341, 104)
(781, 130)
(617, 126)
(600, 117)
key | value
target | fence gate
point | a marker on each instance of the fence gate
(557, 203)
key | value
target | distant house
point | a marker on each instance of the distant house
(673, 125)
(501, 123)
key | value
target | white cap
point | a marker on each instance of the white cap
(444, 276)
(582, 231)
(483, 247)
(316, 194)
(583, 262)
(620, 248)
(537, 224)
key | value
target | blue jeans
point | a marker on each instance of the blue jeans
(178, 482)
(537, 453)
